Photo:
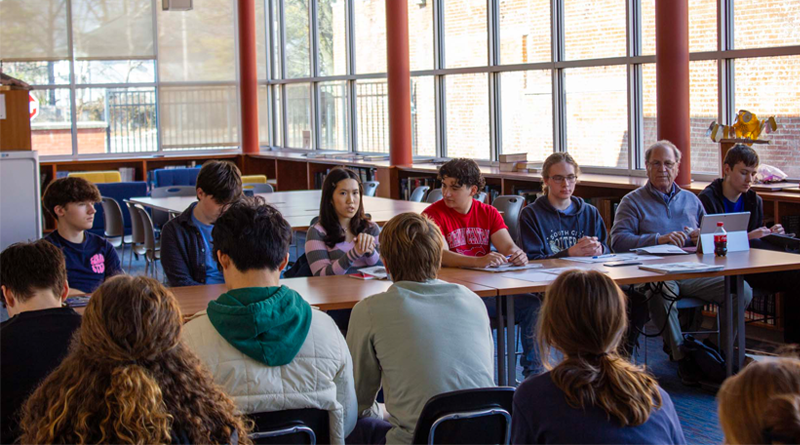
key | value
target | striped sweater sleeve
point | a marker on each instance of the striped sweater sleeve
(375, 257)
(319, 255)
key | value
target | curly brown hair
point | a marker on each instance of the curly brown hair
(65, 191)
(464, 171)
(128, 378)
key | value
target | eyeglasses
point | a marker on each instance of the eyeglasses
(558, 179)
(657, 165)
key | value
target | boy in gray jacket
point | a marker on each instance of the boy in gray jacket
(420, 338)
(660, 212)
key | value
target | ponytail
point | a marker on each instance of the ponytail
(624, 391)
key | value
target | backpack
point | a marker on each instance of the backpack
(707, 359)
(300, 268)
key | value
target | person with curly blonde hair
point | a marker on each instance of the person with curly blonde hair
(592, 395)
(129, 379)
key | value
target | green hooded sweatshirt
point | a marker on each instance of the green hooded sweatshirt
(269, 324)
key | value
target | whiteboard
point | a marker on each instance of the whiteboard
(20, 199)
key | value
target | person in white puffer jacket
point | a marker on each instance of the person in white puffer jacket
(265, 345)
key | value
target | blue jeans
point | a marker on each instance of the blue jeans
(526, 310)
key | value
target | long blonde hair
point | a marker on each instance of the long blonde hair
(761, 404)
(583, 316)
(129, 379)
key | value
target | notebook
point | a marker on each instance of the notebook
(688, 267)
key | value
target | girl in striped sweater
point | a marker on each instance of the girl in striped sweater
(343, 239)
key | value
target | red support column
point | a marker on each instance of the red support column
(397, 62)
(672, 80)
(248, 76)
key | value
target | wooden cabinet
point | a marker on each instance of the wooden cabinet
(15, 127)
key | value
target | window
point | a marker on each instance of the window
(298, 61)
(333, 114)
(372, 111)
(332, 15)
(465, 33)
(704, 109)
(116, 120)
(594, 30)
(764, 23)
(597, 115)
(420, 35)
(524, 31)
(767, 86)
(48, 17)
(370, 36)
(423, 116)
(468, 116)
(702, 26)
(195, 117)
(298, 115)
(527, 113)
(51, 130)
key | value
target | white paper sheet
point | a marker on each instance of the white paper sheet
(611, 257)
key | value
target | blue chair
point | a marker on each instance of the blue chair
(165, 177)
(119, 191)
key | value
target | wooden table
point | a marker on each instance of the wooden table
(736, 264)
(298, 207)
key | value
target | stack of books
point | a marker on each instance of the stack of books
(513, 162)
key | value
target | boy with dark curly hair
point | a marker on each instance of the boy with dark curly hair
(470, 228)
(90, 258)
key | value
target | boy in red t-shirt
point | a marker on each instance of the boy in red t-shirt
(471, 228)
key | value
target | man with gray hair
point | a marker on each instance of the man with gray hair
(660, 212)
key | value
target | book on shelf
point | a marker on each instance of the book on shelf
(127, 174)
(372, 158)
(513, 157)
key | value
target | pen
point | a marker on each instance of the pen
(603, 256)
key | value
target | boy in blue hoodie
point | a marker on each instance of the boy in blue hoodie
(262, 342)
(559, 224)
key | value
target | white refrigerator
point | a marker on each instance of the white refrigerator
(20, 197)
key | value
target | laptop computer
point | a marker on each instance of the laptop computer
(734, 223)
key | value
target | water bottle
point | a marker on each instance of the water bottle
(720, 240)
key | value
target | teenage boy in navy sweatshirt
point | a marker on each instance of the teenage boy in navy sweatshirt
(90, 258)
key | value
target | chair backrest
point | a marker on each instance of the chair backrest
(370, 187)
(480, 196)
(254, 179)
(137, 229)
(147, 228)
(164, 177)
(173, 190)
(434, 195)
(481, 415)
(510, 207)
(419, 193)
(119, 191)
(112, 216)
(258, 187)
(294, 426)
(99, 177)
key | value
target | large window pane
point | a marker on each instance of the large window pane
(261, 39)
(467, 97)
(465, 33)
(704, 103)
(51, 130)
(594, 29)
(298, 116)
(278, 115)
(115, 71)
(702, 26)
(527, 113)
(197, 45)
(264, 115)
(370, 36)
(423, 116)
(768, 87)
(116, 120)
(760, 23)
(199, 117)
(18, 19)
(298, 63)
(420, 35)
(372, 112)
(333, 115)
(39, 73)
(332, 37)
(277, 46)
(112, 28)
(524, 31)
(597, 115)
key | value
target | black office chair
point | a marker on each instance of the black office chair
(294, 426)
(481, 415)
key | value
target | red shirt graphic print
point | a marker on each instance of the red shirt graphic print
(468, 234)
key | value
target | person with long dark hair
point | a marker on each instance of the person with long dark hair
(343, 239)
(130, 379)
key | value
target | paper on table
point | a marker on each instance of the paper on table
(611, 257)
(558, 270)
(536, 276)
(663, 249)
(378, 272)
(507, 267)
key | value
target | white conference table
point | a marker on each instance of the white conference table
(298, 207)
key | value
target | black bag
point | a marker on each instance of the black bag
(300, 268)
(707, 359)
